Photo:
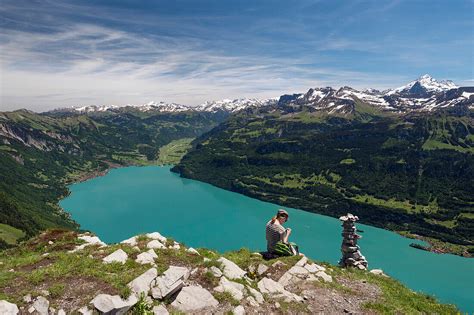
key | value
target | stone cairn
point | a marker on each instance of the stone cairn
(351, 255)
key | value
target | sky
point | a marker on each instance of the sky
(76, 53)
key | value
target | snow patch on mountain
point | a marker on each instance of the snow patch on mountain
(428, 83)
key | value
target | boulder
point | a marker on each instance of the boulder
(238, 310)
(160, 310)
(61, 312)
(252, 302)
(142, 283)
(156, 236)
(324, 276)
(234, 288)
(267, 285)
(261, 269)
(41, 305)
(276, 290)
(285, 279)
(256, 295)
(192, 251)
(230, 269)
(89, 240)
(85, 311)
(215, 271)
(113, 304)
(194, 298)
(313, 268)
(298, 270)
(146, 258)
(378, 272)
(118, 256)
(302, 261)
(132, 241)
(170, 282)
(155, 244)
(8, 308)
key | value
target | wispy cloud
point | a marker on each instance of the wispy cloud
(64, 53)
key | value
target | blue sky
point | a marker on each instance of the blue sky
(71, 53)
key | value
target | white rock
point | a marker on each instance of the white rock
(175, 246)
(285, 279)
(44, 292)
(313, 268)
(85, 311)
(155, 244)
(113, 303)
(27, 298)
(239, 310)
(252, 301)
(171, 281)
(92, 240)
(41, 305)
(230, 269)
(31, 309)
(8, 308)
(192, 251)
(145, 258)
(61, 312)
(324, 276)
(261, 269)
(142, 283)
(194, 298)
(132, 241)
(50, 242)
(256, 294)
(276, 290)
(267, 285)
(234, 288)
(118, 256)
(298, 270)
(152, 253)
(302, 261)
(377, 272)
(157, 236)
(160, 310)
(206, 259)
(216, 271)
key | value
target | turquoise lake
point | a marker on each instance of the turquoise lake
(134, 200)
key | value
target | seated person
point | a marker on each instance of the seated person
(277, 236)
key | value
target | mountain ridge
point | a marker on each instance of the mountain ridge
(422, 94)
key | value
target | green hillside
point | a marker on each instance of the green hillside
(41, 153)
(413, 173)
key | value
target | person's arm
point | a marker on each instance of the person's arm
(286, 234)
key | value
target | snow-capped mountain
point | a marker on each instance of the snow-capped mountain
(423, 94)
(232, 106)
(423, 85)
(95, 108)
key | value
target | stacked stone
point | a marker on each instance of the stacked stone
(351, 255)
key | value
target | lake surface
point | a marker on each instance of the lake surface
(134, 200)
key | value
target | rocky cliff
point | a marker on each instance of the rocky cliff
(63, 272)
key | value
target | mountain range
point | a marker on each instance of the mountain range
(402, 159)
(421, 95)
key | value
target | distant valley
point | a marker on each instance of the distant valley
(402, 159)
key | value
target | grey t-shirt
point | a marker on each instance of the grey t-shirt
(274, 233)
